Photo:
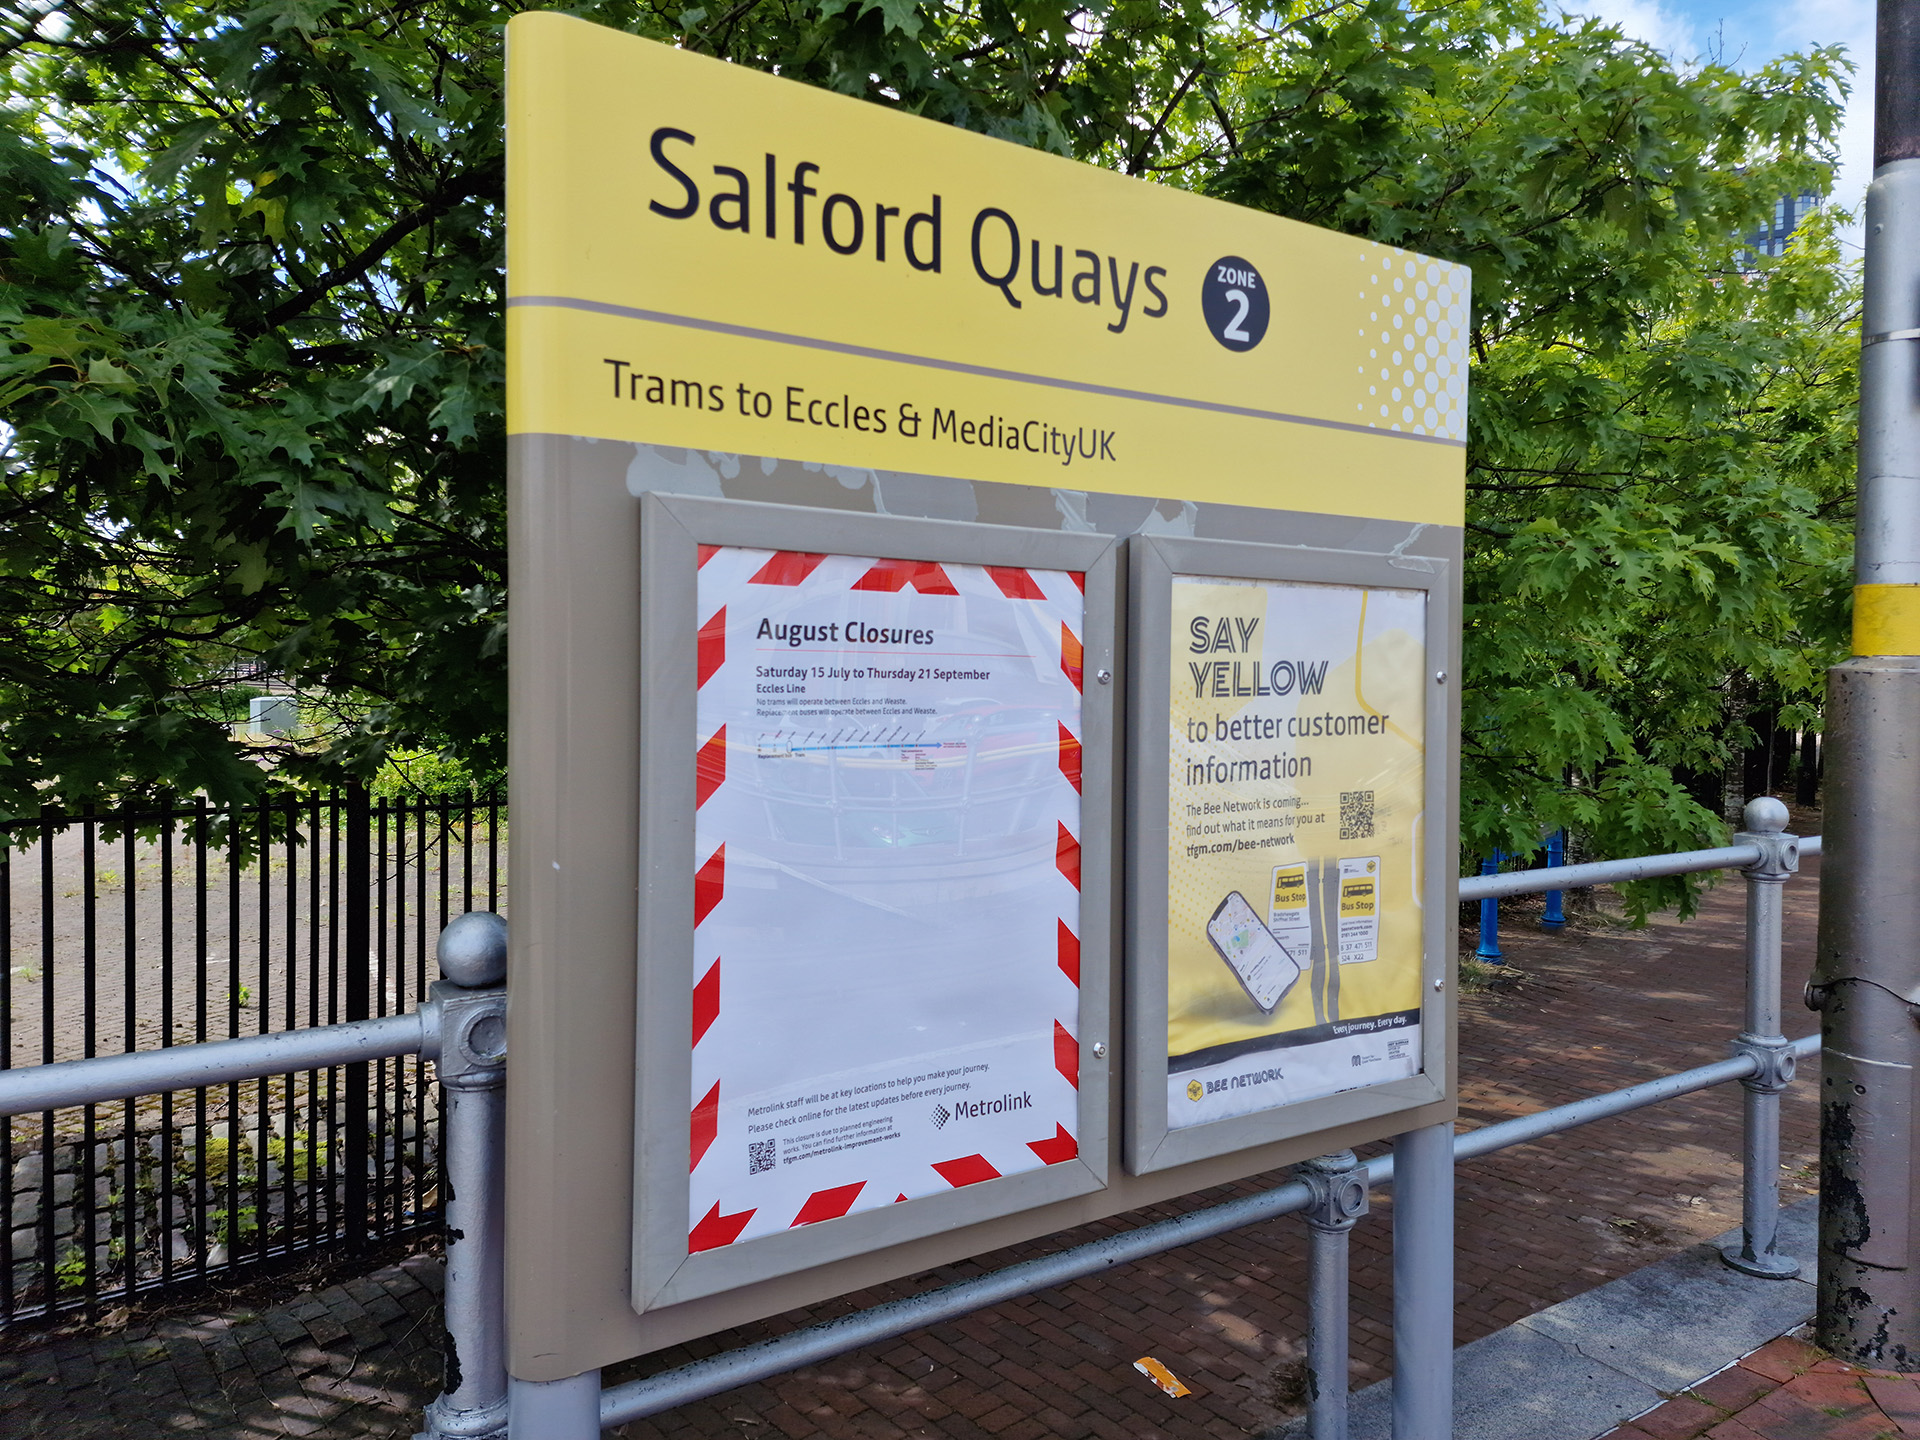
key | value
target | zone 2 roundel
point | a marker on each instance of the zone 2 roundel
(1233, 300)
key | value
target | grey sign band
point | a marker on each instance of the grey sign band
(1885, 335)
(868, 352)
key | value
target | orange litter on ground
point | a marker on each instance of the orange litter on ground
(1161, 1376)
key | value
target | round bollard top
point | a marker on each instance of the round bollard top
(1765, 816)
(473, 949)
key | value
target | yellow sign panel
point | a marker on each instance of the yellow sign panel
(709, 257)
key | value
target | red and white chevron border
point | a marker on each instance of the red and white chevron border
(794, 569)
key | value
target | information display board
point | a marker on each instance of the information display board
(840, 446)
(896, 817)
(880, 953)
(1281, 943)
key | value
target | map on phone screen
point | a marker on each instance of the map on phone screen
(1260, 962)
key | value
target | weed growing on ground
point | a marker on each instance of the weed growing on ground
(1477, 977)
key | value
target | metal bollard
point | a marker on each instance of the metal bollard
(1489, 950)
(472, 1004)
(1339, 1185)
(1766, 822)
(1555, 917)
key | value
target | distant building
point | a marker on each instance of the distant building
(1771, 238)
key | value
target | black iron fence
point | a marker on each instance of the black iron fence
(195, 922)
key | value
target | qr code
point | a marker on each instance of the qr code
(1356, 814)
(760, 1155)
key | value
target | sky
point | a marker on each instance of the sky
(1748, 33)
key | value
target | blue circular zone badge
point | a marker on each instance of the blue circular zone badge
(1233, 299)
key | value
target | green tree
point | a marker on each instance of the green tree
(1661, 427)
(250, 359)
(250, 345)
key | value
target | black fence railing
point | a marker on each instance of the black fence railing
(195, 922)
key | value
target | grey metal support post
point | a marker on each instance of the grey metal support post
(1867, 978)
(1865, 982)
(566, 1409)
(472, 1005)
(1339, 1185)
(1766, 821)
(1423, 1284)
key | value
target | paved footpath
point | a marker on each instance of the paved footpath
(1786, 1390)
(1597, 1008)
(358, 1359)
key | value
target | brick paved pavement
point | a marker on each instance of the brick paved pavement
(1599, 1008)
(1786, 1390)
(358, 1359)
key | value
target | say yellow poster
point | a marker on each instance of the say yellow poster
(1296, 791)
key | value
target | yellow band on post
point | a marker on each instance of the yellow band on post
(1886, 619)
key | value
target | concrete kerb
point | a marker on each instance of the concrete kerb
(1577, 1369)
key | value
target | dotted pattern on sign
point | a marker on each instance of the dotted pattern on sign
(1415, 370)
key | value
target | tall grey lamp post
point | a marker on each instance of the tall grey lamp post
(1866, 981)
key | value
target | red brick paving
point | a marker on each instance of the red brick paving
(1786, 1390)
(1599, 1007)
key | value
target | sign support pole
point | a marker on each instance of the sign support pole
(566, 1409)
(1867, 979)
(1423, 1283)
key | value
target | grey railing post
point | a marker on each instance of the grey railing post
(1423, 1283)
(357, 956)
(472, 1005)
(1766, 820)
(1339, 1186)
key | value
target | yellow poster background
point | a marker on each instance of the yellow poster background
(1229, 829)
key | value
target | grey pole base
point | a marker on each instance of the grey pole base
(566, 1409)
(486, 1423)
(1767, 1267)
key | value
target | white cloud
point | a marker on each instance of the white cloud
(1648, 21)
(1803, 24)
(1747, 34)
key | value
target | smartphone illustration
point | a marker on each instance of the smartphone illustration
(1261, 963)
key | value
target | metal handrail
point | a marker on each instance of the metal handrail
(1472, 1144)
(55, 1086)
(716, 1374)
(1617, 872)
(1763, 1062)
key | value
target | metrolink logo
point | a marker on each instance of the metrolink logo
(980, 1109)
(977, 1109)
